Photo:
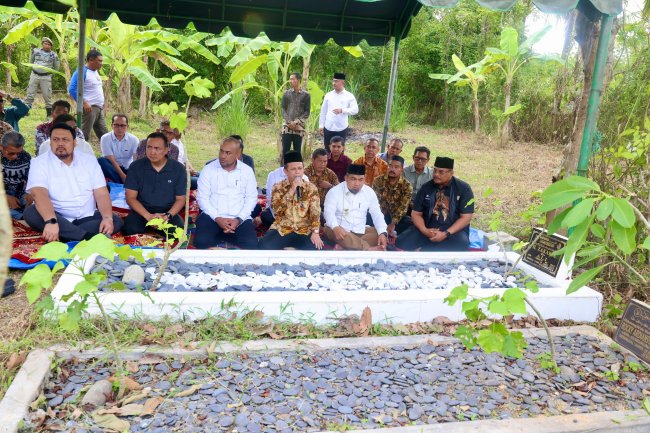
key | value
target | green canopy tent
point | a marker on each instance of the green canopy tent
(347, 22)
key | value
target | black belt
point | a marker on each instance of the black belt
(41, 75)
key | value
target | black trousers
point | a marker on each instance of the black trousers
(272, 240)
(135, 223)
(412, 239)
(291, 142)
(208, 234)
(76, 230)
(327, 136)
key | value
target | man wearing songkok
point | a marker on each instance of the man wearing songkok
(394, 149)
(394, 194)
(118, 148)
(337, 161)
(319, 175)
(295, 112)
(337, 106)
(227, 194)
(418, 173)
(155, 187)
(43, 130)
(81, 144)
(346, 208)
(15, 167)
(296, 206)
(375, 166)
(442, 211)
(71, 201)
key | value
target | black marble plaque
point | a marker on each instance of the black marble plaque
(633, 333)
(539, 255)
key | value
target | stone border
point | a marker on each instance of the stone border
(35, 371)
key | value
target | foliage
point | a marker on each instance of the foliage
(234, 118)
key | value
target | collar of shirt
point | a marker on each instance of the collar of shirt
(55, 159)
(149, 166)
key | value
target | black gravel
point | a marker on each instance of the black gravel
(362, 388)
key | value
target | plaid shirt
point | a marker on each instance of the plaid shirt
(293, 215)
(328, 176)
(377, 168)
(393, 199)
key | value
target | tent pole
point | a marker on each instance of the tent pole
(391, 89)
(596, 91)
(81, 60)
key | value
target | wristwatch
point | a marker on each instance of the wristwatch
(169, 216)
(51, 221)
(384, 233)
(447, 234)
(317, 231)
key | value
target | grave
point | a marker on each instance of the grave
(405, 305)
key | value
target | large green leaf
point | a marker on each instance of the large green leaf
(458, 63)
(566, 191)
(36, 280)
(199, 49)
(21, 30)
(199, 87)
(533, 39)
(624, 237)
(242, 55)
(300, 48)
(623, 213)
(53, 251)
(144, 76)
(583, 279)
(514, 344)
(512, 109)
(355, 51)
(605, 209)
(577, 238)
(12, 70)
(45, 68)
(555, 225)
(229, 95)
(247, 68)
(509, 42)
(578, 213)
(172, 62)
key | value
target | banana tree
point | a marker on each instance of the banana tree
(473, 76)
(509, 58)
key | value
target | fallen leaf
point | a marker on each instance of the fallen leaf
(365, 324)
(150, 359)
(151, 404)
(111, 422)
(275, 336)
(15, 360)
(37, 418)
(132, 367)
(128, 383)
(148, 327)
(255, 316)
(126, 410)
(76, 414)
(174, 329)
(135, 397)
(189, 391)
(442, 320)
(262, 330)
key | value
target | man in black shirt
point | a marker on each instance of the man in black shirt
(155, 187)
(442, 211)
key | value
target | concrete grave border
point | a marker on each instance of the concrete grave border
(32, 376)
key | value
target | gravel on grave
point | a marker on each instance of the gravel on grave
(363, 388)
(182, 276)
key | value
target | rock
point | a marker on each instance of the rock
(134, 274)
(568, 374)
(97, 395)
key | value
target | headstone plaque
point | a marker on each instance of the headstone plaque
(633, 333)
(539, 255)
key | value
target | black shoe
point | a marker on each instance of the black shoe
(9, 288)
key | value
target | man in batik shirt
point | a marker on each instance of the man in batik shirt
(394, 194)
(320, 175)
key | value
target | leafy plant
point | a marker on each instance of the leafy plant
(234, 118)
(547, 362)
(174, 238)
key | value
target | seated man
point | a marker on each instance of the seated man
(118, 148)
(346, 207)
(81, 144)
(441, 214)
(15, 166)
(155, 187)
(394, 149)
(15, 112)
(43, 130)
(174, 151)
(319, 175)
(375, 166)
(246, 159)
(297, 210)
(394, 194)
(418, 173)
(337, 161)
(227, 194)
(71, 201)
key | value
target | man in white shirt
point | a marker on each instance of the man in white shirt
(227, 194)
(337, 106)
(346, 208)
(71, 201)
(118, 149)
(93, 103)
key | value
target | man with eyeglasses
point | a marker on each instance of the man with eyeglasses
(418, 173)
(442, 211)
(118, 149)
(168, 132)
(337, 106)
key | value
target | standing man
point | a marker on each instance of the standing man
(375, 166)
(155, 187)
(71, 201)
(442, 211)
(319, 175)
(15, 167)
(394, 149)
(418, 173)
(93, 103)
(346, 208)
(337, 106)
(297, 210)
(227, 194)
(337, 161)
(14, 113)
(394, 194)
(295, 112)
(40, 78)
(118, 149)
